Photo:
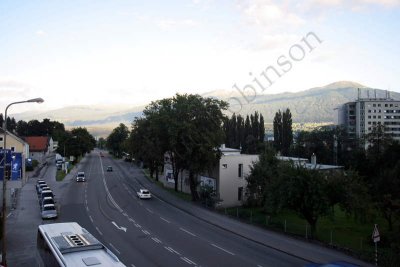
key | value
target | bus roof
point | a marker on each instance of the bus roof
(76, 246)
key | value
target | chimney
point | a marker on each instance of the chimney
(313, 159)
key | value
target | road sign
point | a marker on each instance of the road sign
(375, 234)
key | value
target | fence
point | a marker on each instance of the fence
(357, 245)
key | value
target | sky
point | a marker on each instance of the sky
(126, 52)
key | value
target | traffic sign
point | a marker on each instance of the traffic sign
(375, 234)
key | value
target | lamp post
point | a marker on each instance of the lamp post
(3, 213)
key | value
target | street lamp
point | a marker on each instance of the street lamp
(3, 217)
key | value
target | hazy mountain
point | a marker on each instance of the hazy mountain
(312, 105)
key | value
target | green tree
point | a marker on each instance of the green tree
(301, 190)
(115, 140)
(261, 174)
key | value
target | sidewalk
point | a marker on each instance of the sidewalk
(22, 223)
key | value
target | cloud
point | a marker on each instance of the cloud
(268, 14)
(167, 24)
(354, 5)
(12, 91)
(41, 33)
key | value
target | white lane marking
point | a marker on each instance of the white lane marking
(156, 240)
(227, 251)
(138, 225)
(165, 220)
(186, 231)
(90, 217)
(107, 191)
(259, 265)
(114, 248)
(9, 214)
(146, 232)
(149, 210)
(169, 249)
(131, 220)
(173, 250)
(98, 230)
(87, 208)
(133, 265)
(126, 215)
(119, 227)
(188, 261)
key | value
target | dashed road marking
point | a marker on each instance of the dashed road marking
(188, 261)
(114, 248)
(90, 217)
(165, 220)
(98, 230)
(227, 251)
(156, 240)
(186, 231)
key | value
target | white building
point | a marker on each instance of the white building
(228, 177)
(360, 117)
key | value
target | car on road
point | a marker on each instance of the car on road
(49, 211)
(144, 194)
(109, 168)
(80, 177)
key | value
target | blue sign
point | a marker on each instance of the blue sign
(13, 164)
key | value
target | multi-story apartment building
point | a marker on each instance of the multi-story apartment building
(360, 117)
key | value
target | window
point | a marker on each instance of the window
(224, 166)
(240, 193)
(240, 170)
(1, 138)
(12, 149)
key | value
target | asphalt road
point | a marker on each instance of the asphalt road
(165, 231)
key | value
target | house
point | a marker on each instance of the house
(18, 151)
(39, 146)
(228, 177)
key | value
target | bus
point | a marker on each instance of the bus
(70, 245)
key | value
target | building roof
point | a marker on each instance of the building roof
(16, 137)
(37, 143)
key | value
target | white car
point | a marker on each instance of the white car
(80, 177)
(49, 211)
(144, 194)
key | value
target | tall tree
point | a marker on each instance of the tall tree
(278, 129)
(287, 132)
(116, 139)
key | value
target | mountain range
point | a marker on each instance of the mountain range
(315, 105)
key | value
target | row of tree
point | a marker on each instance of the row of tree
(75, 142)
(278, 185)
(245, 134)
(185, 128)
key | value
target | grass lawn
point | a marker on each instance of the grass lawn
(340, 231)
(60, 175)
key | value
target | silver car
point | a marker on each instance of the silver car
(49, 211)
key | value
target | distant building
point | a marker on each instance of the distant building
(360, 117)
(39, 146)
(228, 177)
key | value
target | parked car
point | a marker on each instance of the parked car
(109, 168)
(80, 177)
(45, 193)
(46, 201)
(39, 185)
(144, 194)
(49, 211)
